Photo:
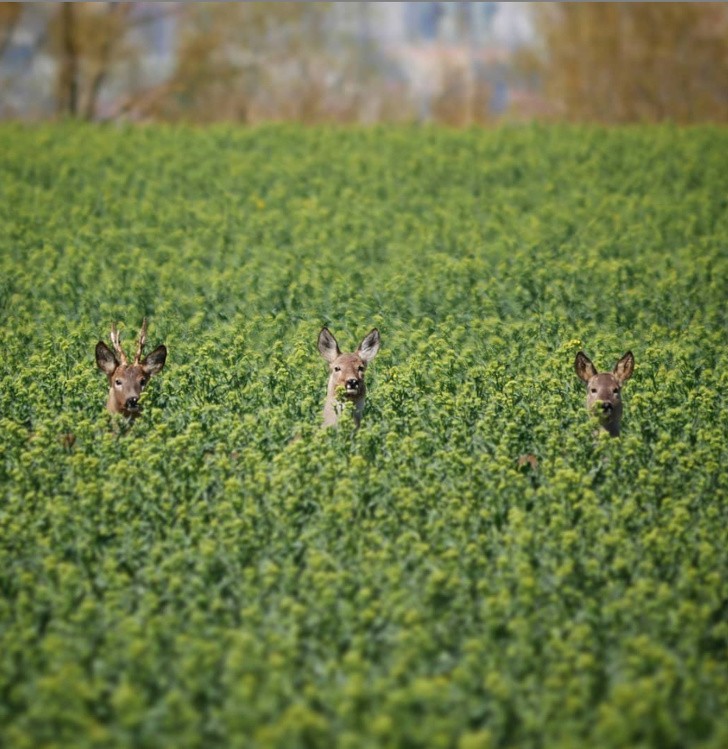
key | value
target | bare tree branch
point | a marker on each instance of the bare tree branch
(142, 101)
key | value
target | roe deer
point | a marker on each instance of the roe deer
(603, 391)
(126, 381)
(347, 372)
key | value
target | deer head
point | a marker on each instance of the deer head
(346, 374)
(127, 381)
(604, 390)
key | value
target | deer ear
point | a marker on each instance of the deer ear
(584, 367)
(369, 347)
(106, 360)
(624, 367)
(154, 362)
(327, 345)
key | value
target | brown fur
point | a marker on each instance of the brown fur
(604, 390)
(346, 371)
(127, 381)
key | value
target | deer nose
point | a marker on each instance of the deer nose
(352, 384)
(132, 402)
(607, 406)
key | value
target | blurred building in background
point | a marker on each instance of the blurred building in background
(457, 63)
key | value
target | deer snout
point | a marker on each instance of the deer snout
(352, 384)
(132, 404)
(608, 407)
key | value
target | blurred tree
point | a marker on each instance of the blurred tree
(90, 44)
(86, 40)
(463, 95)
(627, 62)
(255, 61)
(18, 49)
(244, 62)
(231, 56)
(9, 17)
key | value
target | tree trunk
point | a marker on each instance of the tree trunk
(68, 72)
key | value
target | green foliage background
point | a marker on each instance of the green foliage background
(226, 573)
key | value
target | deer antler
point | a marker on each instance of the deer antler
(142, 340)
(117, 345)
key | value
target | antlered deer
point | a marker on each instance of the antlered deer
(126, 381)
(346, 372)
(604, 390)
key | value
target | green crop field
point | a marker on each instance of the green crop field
(226, 573)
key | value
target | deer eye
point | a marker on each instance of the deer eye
(361, 368)
(117, 383)
(594, 390)
(616, 391)
(337, 369)
(143, 381)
